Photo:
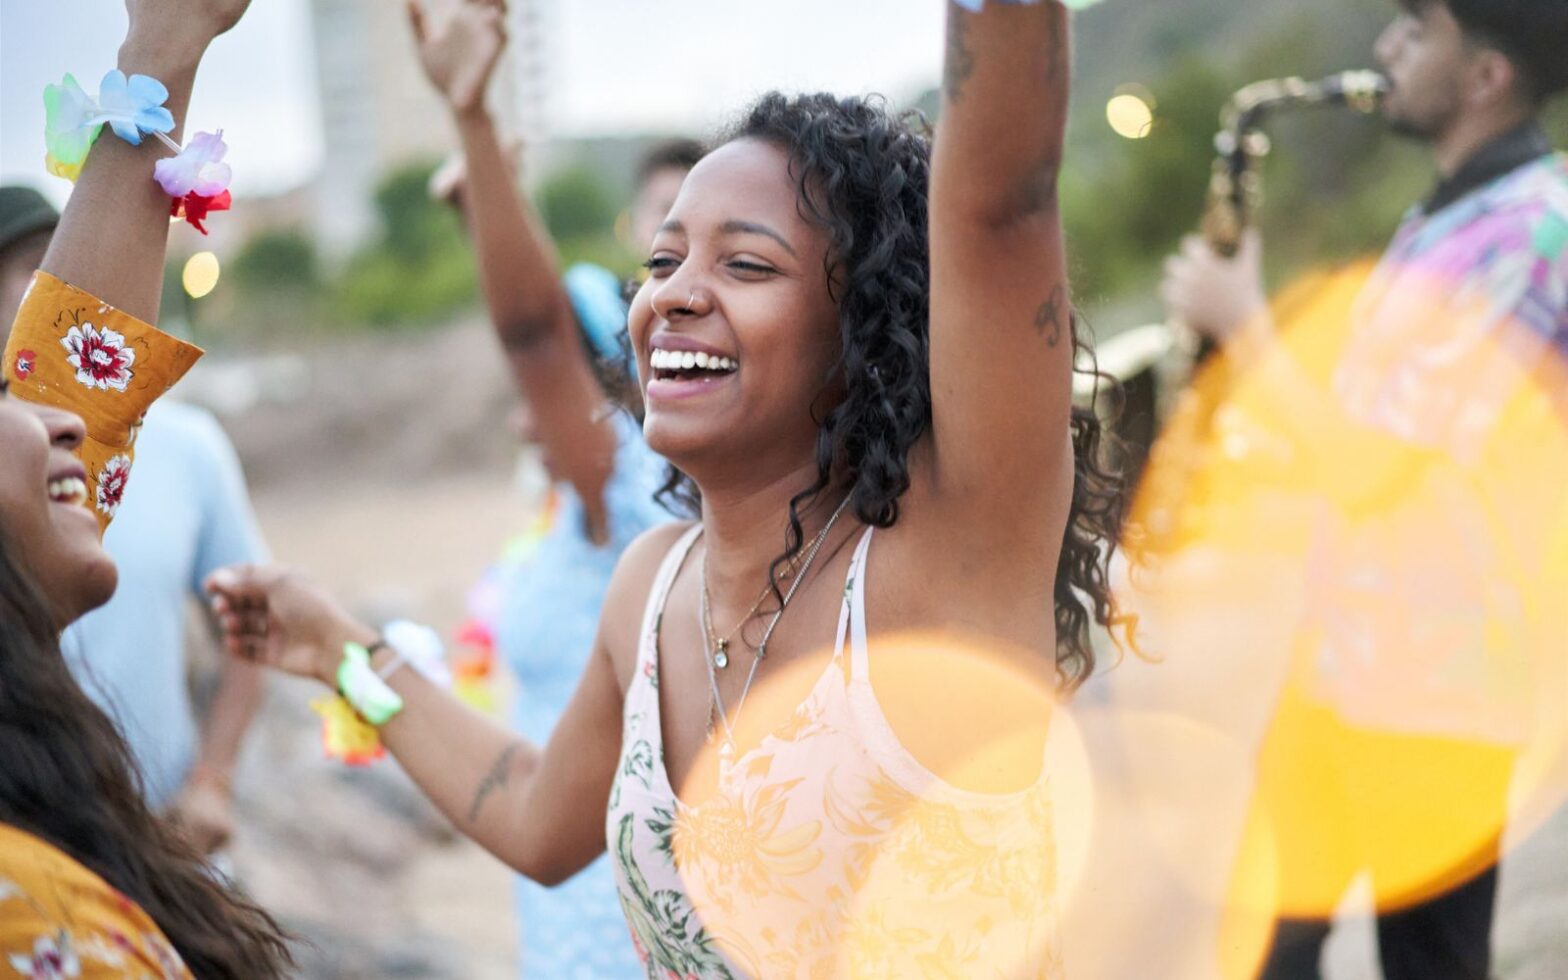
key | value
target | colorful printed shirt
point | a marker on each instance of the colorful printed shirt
(69, 349)
(58, 920)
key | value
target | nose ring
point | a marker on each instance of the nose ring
(691, 301)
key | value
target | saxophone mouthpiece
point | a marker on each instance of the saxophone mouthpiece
(1362, 91)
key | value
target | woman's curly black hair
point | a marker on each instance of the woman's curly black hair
(864, 174)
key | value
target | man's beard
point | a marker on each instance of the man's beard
(1409, 129)
(1424, 128)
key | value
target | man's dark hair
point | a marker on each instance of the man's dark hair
(677, 154)
(1533, 34)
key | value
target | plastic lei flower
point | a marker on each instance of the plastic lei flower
(197, 179)
(198, 169)
(69, 128)
(73, 119)
(133, 106)
(194, 208)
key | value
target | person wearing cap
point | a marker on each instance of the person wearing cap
(562, 334)
(186, 514)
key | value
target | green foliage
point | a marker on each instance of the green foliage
(1130, 204)
(1334, 187)
(418, 270)
(276, 259)
(576, 203)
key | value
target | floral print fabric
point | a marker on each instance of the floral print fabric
(70, 350)
(828, 850)
(59, 921)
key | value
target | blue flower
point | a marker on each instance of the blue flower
(133, 106)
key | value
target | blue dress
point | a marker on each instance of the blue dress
(545, 631)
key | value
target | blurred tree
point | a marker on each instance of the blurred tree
(419, 270)
(280, 258)
(575, 202)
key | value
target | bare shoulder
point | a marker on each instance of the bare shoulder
(627, 596)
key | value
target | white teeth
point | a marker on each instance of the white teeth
(671, 360)
(71, 490)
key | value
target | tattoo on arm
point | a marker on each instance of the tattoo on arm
(960, 61)
(1048, 319)
(494, 780)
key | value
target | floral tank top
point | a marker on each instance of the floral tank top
(827, 850)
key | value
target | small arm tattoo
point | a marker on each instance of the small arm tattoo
(960, 62)
(1048, 318)
(494, 780)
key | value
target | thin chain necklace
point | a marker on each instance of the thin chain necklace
(716, 707)
(721, 647)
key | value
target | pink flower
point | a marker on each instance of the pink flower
(25, 362)
(100, 358)
(111, 484)
(52, 959)
(199, 169)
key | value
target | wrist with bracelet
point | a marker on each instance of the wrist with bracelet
(133, 106)
(365, 701)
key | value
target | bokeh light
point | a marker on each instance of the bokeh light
(1351, 570)
(200, 276)
(1131, 112)
(977, 806)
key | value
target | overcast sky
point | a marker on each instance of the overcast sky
(622, 65)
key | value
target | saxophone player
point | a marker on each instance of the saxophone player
(1487, 250)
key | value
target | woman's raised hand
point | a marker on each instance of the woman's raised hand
(277, 617)
(180, 27)
(459, 52)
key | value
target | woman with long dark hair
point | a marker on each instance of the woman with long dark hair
(856, 345)
(91, 882)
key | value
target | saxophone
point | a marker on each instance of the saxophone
(1154, 363)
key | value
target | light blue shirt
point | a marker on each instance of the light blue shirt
(185, 514)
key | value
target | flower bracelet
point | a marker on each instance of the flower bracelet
(365, 701)
(195, 178)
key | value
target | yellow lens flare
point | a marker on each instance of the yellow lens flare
(939, 848)
(200, 276)
(1349, 563)
(1170, 794)
(1130, 112)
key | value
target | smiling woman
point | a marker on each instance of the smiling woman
(92, 884)
(851, 335)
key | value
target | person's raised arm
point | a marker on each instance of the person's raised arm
(1001, 313)
(518, 266)
(113, 234)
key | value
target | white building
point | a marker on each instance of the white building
(379, 112)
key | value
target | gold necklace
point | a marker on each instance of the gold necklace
(716, 700)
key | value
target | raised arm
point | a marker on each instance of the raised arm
(115, 229)
(518, 267)
(1001, 330)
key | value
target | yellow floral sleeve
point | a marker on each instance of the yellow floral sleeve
(70, 350)
(58, 919)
